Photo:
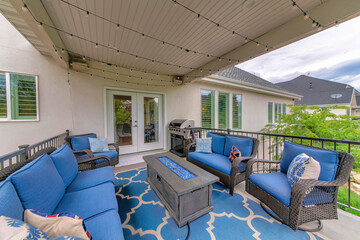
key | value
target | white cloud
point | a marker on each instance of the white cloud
(319, 53)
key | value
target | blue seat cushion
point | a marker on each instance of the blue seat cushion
(39, 185)
(81, 142)
(277, 185)
(65, 163)
(91, 178)
(328, 159)
(10, 204)
(217, 143)
(110, 154)
(89, 202)
(243, 144)
(216, 161)
(106, 225)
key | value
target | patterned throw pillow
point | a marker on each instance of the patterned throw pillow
(16, 229)
(303, 167)
(99, 145)
(203, 145)
(235, 153)
(62, 224)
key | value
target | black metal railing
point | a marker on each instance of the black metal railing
(26, 151)
(271, 146)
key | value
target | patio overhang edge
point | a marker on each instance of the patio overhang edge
(327, 14)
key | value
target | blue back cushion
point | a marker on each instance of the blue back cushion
(10, 205)
(243, 144)
(328, 159)
(218, 143)
(81, 142)
(65, 163)
(39, 185)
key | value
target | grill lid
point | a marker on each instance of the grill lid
(182, 123)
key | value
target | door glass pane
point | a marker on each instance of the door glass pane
(151, 119)
(223, 114)
(3, 103)
(122, 120)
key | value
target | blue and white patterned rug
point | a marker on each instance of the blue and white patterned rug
(234, 217)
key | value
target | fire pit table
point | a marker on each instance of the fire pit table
(183, 188)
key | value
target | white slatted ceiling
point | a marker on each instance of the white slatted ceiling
(161, 19)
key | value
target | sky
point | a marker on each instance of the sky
(332, 54)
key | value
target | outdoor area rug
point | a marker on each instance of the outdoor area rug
(234, 217)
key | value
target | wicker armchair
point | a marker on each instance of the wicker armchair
(86, 158)
(238, 170)
(310, 200)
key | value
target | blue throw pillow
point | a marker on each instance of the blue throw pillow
(39, 185)
(99, 145)
(303, 167)
(10, 204)
(203, 145)
(66, 164)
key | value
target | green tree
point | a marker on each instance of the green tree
(321, 123)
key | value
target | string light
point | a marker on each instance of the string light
(246, 40)
(70, 35)
(118, 52)
(87, 13)
(294, 5)
(233, 34)
(118, 26)
(62, 50)
(174, 3)
(40, 25)
(84, 58)
(306, 16)
(257, 44)
(24, 8)
(198, 17)
(156, 39)
(142, 36)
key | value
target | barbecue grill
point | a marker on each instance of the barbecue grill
(180, 135)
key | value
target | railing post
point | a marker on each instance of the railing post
(67, 132)
(228, 131)
(25, 155)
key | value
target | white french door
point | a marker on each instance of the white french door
(135, 120)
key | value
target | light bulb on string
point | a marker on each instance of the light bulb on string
(87, 14)
(306, 16)
(257, 44)
(198, 17)
(40, 25)
(71, 36)
(25, 8)
(246, 40)
(294, 5)
(314, 24)
(96, 45)
(117, 26)
(233, 34)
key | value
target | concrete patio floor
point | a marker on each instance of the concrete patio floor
(346, 227)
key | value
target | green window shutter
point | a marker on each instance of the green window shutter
(237, 111)
(3, 101)
(207, 108)
(23, 97)
(223, 113)
(270, 112)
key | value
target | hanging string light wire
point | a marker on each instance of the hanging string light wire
(161, 41)
(306, 15)
(219, 26)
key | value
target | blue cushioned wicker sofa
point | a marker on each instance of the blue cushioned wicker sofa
(52, 184)
(218, 163)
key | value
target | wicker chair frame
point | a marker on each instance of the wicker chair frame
(297, 214)
(235, 177)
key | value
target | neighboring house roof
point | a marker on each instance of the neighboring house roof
(246, 77)
(317, 91)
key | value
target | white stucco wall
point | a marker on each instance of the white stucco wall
(78, 105)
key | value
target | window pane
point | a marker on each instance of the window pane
(284, 108)
(223, 110)
(207, 108)
(270, 112)
(237, 113)
(23, 96)
(123, 120)
(3, 102)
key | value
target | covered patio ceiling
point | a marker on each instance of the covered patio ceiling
(169, 38)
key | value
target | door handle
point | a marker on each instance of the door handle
(135, 126)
